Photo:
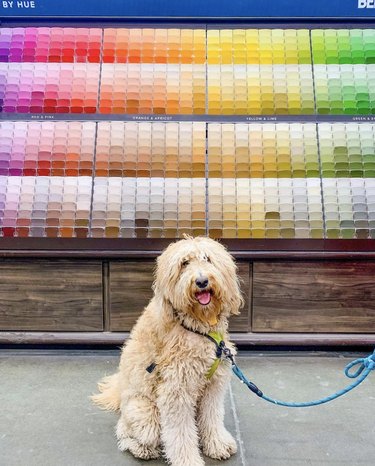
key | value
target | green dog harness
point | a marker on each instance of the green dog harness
(215, 337)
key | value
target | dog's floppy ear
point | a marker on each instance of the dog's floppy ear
(235, 300)
(157, 286)
(238, 300)
(226, 263)
(166, 270)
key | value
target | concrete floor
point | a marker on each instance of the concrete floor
(46, 418)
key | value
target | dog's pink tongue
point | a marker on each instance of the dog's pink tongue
(204, 297)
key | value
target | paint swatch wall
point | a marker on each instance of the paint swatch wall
(155, 132)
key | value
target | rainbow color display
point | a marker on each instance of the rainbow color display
(155, 180)
(238, 176)
(187, 71)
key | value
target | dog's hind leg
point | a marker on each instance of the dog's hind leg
(216, 441)
(138, 429)
(109, 397)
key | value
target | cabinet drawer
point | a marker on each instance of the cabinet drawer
(43, 295)
(332, 297)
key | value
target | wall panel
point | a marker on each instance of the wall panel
(324, 297)
(43, 295)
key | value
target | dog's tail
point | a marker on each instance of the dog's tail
(110, 395)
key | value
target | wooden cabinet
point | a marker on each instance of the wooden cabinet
(98, 301)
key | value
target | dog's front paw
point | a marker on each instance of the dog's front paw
(220, 447)
(139, 450)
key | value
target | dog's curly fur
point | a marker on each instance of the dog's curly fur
(176, 409)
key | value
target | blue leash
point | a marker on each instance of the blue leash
(366, 365)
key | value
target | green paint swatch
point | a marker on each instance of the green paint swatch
(347, 150)
(345, 89)
(343, 46)
(344, 71)
(349, 208)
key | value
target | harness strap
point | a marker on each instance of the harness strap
(217, 338)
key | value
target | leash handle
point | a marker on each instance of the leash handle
(364, 363)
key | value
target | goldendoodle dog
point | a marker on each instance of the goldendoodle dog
(171, 383)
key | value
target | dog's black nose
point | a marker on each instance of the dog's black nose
(201, 282)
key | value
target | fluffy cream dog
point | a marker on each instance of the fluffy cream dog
(174, 407)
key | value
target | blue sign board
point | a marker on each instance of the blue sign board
(173, 9)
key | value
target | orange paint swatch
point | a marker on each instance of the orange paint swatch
(170, 150)
(153, 71)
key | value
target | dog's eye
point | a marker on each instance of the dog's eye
(185, 263)
(208, 260)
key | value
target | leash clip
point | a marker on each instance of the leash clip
(226, 351)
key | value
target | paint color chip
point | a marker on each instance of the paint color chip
(153, 71)
(349, 205)
(48, 87)
(259, 72)
(343, 46)
(149, 45)
(45, 206)
(265, 208)
(167, 150)
(347, 150)
(47, 148)
(345, 89)
(148, 207)
(153, 89)
(282, 150)
(50, 44)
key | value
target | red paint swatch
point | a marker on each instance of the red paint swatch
(50, 44)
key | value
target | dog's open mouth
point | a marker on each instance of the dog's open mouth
(203, 297)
